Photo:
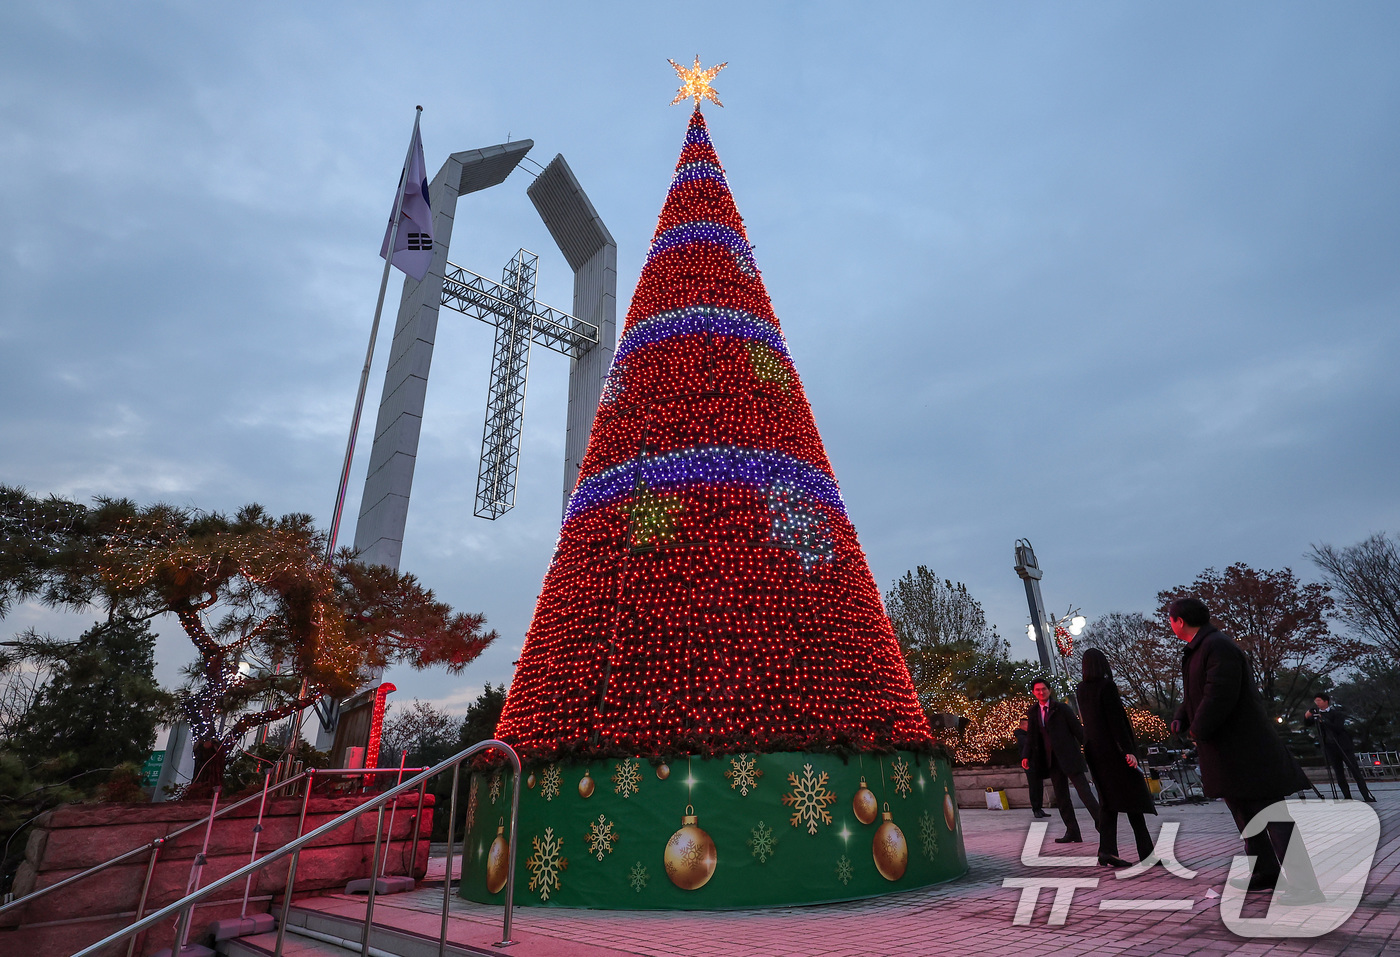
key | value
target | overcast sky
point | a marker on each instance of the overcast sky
(1119, 278)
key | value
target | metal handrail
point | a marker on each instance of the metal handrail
(150, 845)
(156, 843)
(184, 907)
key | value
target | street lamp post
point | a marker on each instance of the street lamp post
(1042, 628)
(1030, 573)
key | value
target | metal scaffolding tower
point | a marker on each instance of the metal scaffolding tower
(519, 320)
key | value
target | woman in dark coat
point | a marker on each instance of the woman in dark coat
(1110, 748)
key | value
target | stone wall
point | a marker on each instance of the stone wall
(71, 839)
(972, 784)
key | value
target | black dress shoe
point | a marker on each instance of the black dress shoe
(1069, 839)
(1300, 896)
(1112, 860)
(1039, 814)
(1369, 799)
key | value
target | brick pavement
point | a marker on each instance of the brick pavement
(974, 915)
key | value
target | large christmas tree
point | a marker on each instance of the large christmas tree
(708, 593)
(709, 606)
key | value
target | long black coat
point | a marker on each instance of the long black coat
(1066, 735)
(1239, 749)
(1108, 739)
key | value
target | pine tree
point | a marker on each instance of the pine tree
(708, 593)
(102, 704)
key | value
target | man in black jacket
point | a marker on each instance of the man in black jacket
(1035, 784)
(1241, 757)
(1055, 740)
(1337, 746)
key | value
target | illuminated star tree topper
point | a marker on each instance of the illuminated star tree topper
(695, 82)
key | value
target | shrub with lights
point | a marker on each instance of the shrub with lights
(711, 703)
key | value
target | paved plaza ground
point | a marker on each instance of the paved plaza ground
(973, 916)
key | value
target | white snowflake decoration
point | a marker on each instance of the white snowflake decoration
(495, 787)
(601, 837)
(638, 877)
(627, 778)
(900, 777)
(928, 835)
(800, 525)
(546, 864)
(761, 842)
(809, 799)
(549, 783)
(843, 869)
(743, 773)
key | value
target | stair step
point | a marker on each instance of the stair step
(311, 933)
(295, 945)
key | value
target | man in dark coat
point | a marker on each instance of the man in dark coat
(1056, 737)
(1035, 784)
(1337, 746)
(1241, 757)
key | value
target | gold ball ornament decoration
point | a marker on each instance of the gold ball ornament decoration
(663, 771)
(585, 785)
(690, 854)
(889, 848)
(950, 811)
(864, 805)
(497, 860)
(530, 781)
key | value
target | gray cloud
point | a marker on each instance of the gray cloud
(1121, 279)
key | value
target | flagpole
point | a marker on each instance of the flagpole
(295, 737)
(369, 353)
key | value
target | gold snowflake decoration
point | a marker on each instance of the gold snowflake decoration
(638, 877)
(900, 777)
(546, 864)
(743, 773)
(762, 842)
(601, 837)
(928, 835)
(767, 366)
(843, 869)
(495, 787)
(695, 82)
(627, 778)
(809, 799)
(472, 795)
(549, 783)
(652, 516)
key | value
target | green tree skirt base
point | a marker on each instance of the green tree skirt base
(784, 830)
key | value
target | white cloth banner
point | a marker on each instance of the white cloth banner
(413, 246)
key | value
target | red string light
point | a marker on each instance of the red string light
(708, 593)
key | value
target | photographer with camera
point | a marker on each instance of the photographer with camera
(1337, 747)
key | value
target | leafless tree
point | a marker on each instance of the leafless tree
(1145, 657)
(1366, 577)
(21, 681)
(419, 728)
(1280, 622)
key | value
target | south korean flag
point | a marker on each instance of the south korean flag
(413, 246)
